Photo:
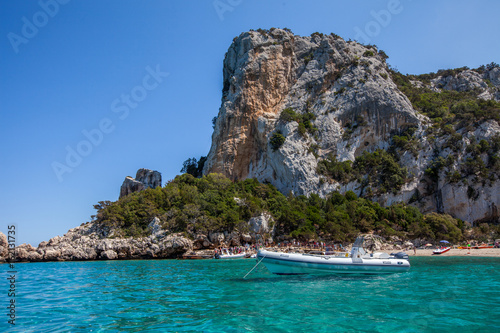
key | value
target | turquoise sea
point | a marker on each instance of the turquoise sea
(440, 294)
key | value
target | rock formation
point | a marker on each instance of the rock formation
(88, 242)
(4, 247)
(91, 241)
(260, 225)
(144, 179)
(347, 90)
(469, 80)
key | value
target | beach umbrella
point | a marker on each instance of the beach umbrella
(444, 241)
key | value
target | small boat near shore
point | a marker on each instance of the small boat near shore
(358, 261)
(441, 250)
(225, 254)
(484, 246)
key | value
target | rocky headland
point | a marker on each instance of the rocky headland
(87, 242)
(314, 115)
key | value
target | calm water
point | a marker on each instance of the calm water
(437, 295)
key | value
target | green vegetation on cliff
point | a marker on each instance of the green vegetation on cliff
(448, 107)
(215, 203)
(277, 140)
(305, 120)
(455, 114)
(378, 172)
(193, 166)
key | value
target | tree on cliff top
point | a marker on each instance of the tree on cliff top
(194, 167)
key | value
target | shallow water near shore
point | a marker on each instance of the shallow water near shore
(437, 294)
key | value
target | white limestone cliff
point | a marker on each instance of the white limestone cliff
(357, 107)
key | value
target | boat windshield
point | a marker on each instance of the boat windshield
(359, 242)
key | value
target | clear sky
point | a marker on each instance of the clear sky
(91, 91)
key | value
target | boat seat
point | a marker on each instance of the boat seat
(379, 255)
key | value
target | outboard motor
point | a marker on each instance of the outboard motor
(401, 255)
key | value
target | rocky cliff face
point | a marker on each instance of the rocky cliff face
(144, 179)
(347, 91)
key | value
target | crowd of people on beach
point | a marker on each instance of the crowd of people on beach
(294, 245)
(309, 245)
(234, 249)
(252, 248)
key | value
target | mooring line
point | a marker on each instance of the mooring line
(255, 266)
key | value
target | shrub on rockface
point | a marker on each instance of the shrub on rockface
(277, 140)
(339, 171)
(304, 120)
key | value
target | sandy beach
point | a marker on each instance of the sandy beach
(457, 252)
(422, 253)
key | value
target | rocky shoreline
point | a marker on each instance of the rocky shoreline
(86, 242)
(90, 242)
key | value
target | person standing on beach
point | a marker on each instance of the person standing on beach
(414, 250)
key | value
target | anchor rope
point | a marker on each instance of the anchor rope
(255, 266)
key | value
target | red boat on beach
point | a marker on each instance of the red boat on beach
(441, 250)
(484, 246)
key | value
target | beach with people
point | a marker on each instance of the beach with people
(474, 250)
(454, 252)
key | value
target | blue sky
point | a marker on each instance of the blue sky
(67, 67)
